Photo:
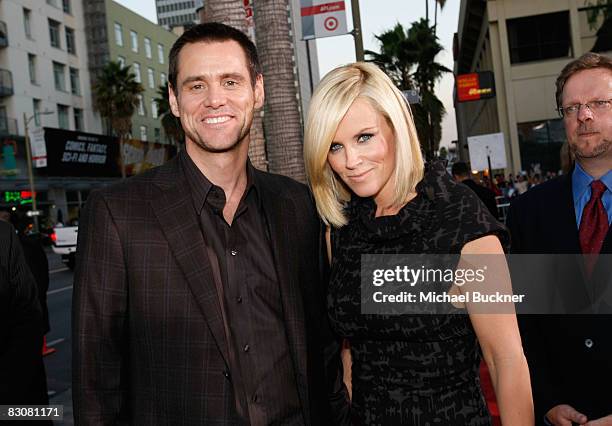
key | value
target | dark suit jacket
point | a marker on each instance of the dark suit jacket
(22, 376)
(148, 336)
(570, 356)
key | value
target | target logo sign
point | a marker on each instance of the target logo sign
(330, 23)
(323, 18)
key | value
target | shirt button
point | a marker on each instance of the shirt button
(246, 348)
(234, 252)
(239, 299)
(588, 343)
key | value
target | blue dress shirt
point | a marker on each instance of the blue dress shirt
(581, 189)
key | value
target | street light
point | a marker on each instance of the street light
(26, 121)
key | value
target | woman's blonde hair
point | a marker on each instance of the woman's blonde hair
(330, 102)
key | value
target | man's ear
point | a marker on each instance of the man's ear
(259, 92)
(173, 102)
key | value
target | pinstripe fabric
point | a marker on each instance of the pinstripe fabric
(148, 340)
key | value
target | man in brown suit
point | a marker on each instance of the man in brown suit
(199, 286)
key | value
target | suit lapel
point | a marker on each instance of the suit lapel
(281, 221)
(174, 210)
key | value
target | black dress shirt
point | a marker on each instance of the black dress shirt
(261, 367)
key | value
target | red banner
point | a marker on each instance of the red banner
(323, 8)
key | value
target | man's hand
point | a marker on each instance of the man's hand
(564, 415)
(604, 421)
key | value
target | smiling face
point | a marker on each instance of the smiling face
(362, 153)
(589, 133)
(215, 98)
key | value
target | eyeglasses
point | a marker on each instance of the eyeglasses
(596, 106)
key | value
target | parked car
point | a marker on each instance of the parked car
(65, 243)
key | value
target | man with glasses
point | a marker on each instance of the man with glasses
(570, 356)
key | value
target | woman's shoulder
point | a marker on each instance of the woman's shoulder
(438, 186)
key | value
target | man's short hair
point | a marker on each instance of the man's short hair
(213, 32)
(587, 61)
(460, 169)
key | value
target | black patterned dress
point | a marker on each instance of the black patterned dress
(409, 369)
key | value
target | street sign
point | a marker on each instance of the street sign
(323, 18)
(38, 146)
(490, 145)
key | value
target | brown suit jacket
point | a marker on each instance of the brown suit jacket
(148, 336)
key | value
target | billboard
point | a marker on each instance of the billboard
(475, 86)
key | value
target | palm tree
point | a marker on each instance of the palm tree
(116, 98)
(282, 118)
(171, 124)
(408, 57)
(232, 13)
(442, 3)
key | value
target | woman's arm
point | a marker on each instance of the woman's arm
(499, 338)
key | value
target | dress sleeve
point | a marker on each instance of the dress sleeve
(474, 218)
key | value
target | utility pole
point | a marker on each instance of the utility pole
(359, 55)
(26, 122)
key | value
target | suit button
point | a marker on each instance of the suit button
(234, 252)
(226, 374)
(246, 348)
(239, 299)
(588, 343)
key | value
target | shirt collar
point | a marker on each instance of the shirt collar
(201, 187)
(581, 181)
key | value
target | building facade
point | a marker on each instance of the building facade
(118, 34)
(43, 67)
(525, 44)
(177, 13)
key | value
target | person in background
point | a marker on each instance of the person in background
(461, 173)
(22, 374)
(569, 356)
(365, 168)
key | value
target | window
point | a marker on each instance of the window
(36, 110)
(54, 33)
(141, 110)
(118, 34)
(154, 110)
(160, 53)
(540, 142)
(151, 77)
(78, 119)
(52, 3)
(75, 83)
(63, 120)
(136, 67)
(157, 134)
(70, 42)
(27, 19)
(143, 133)
(162, 79)
(66, 6)
(147, 45)
(121, 61)
(32, 68)
(134, 41)
(539, 37)
(59, 76)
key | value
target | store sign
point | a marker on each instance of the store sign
(17, 197)
(475, 86)
(323, 18)
(80, 154)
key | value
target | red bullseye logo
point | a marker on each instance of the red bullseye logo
(330, 23)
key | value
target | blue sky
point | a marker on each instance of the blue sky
(376, 17)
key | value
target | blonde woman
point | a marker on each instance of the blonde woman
(366, 171)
